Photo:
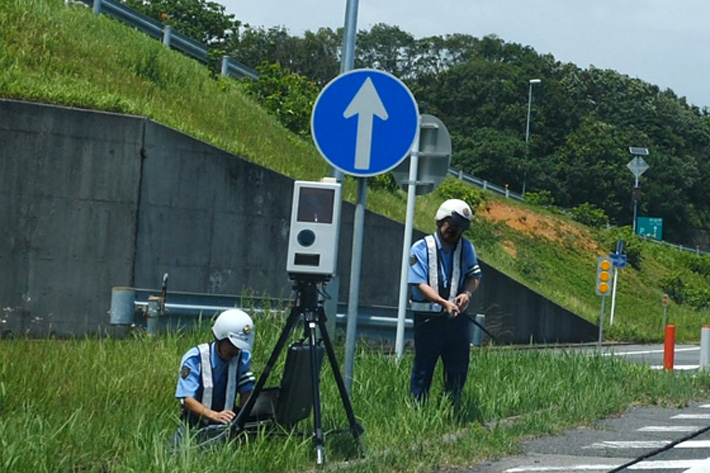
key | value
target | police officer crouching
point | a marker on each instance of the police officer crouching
(212, 374)
(443, 275)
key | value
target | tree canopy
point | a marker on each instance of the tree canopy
(582, 121)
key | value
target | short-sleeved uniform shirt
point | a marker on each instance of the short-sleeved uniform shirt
(419, 266)
(190, 379)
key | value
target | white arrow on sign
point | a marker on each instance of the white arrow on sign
(366, 104)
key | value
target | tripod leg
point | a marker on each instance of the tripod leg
(240, 420)
(317, 424)
(355, 428)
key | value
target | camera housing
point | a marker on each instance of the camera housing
(314, 230)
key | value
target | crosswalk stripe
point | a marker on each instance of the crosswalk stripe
(669, 428)
(531, 469)
(692, 416)
(694, 444)
(629, 444)
(691, 466)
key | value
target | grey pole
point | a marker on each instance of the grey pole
(347, 62)
(356, 263)
(527, 132)
(225, 65)
(601, 326)
(167, 35)
(636, 204)
(408, 226)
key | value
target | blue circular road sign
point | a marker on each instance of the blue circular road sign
(364, 122)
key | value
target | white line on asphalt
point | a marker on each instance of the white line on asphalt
(670, 428)
(526, 469)
(691, 466)
(629, 444)
(647, 352)
(694, 444)
(676, 367)
(692, 416)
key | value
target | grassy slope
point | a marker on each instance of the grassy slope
(64, 54)
(119, 420)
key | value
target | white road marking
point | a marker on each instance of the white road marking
(691, 466)
(629, 444)
(670, 428)
(648, 352)
(692, 416)
(676, 367)
(527, 469)
(694, 444)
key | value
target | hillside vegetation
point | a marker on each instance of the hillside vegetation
(64, 54)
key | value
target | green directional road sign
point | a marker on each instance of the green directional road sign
(650, 227)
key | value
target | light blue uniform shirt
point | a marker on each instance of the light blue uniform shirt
(190, 378)
(419, 266)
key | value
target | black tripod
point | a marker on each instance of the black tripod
(306, 305)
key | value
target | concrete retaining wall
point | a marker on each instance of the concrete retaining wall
(95, 200)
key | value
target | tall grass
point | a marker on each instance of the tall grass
(107, 405)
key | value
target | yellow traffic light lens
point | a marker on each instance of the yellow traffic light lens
(603, 287)
(604, 277)
(605, 265)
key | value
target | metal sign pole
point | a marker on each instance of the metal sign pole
(613, 297)
(601, 326)
(408, 226)
(356, 264)
(346, 64)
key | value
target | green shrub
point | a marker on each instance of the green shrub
(674, 286)
(633, 245)
(698, 298)
(455, 189)
(288, 96)
(699, 264)
(384, 181)
(590, 214)
(542, 198)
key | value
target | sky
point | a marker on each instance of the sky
(664, 42)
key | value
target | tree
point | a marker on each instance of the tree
(200, 20)
(286, 95)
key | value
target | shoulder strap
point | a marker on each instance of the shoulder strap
(207, 382)
(232, 382)
(433, 260)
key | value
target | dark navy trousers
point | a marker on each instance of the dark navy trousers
(438, 336)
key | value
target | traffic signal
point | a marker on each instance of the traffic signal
(603, 286)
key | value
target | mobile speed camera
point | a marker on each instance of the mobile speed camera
(315, 227)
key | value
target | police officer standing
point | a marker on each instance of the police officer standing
(443, 275)
(212, 374)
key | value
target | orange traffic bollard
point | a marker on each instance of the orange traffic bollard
(669, 348)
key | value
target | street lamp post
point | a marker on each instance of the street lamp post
(527, 132)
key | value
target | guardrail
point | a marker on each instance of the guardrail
(483, 184)
(140, 307)
(168, 36)
(695, 250)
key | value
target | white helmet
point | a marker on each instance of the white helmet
(458, 210)
(235, 325)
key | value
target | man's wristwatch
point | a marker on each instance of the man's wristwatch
(469, 294)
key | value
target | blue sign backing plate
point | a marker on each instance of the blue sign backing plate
(336, 136)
